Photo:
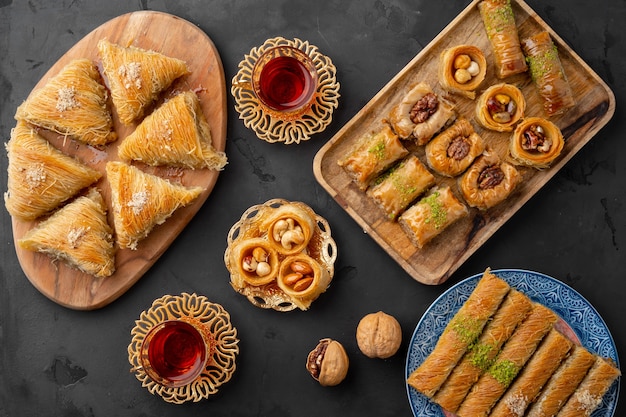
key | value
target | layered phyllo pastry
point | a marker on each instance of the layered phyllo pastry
(141, 201)
(290, 228)
(500, 107)
(175, 134)
(454, 149)
(462, 69)
(372, 154)
(73, 103)
(499, 22)
(255, 261)
(40, 177)
(303, 279)
(536, 142)
(431, 215)
(420, 114)
(79, 234)
(137, 77)
(401, 185)
(547, 73)
(488, 181)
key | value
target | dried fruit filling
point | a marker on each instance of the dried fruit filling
(535, 139)
(501, 107)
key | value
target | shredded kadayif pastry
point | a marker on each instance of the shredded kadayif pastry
(77, 233)
(140, 201)
(136, 77)
(176, 134)
(73, 103)
(40, 177)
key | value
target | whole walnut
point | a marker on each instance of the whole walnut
(379, 335)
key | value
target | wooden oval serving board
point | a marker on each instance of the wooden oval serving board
(434, 263)
(174, 37)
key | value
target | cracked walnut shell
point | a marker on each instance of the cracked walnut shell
(328, 363)
(379, 335)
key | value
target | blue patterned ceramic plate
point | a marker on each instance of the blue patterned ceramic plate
(582, 318)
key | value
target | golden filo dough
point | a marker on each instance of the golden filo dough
(420, 114)
(40, 177)
(255, 261)
(462, 69)
(73, 103)
(302, 279)
(141, 201)
(372, 154)
(290, 228)
(453, 150)
(79, 234)
(500, 107)
(488, 181)
(137, 77)
(175, 134)
(536, 142)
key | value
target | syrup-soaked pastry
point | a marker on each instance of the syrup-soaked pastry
(255, 261)
(464, 328)
(548, 74)
(371, 155)
(488, 181)
(482, 353)
(402, 184)
(562, 383)
(73, 103)
(499, 22)
(141, 201)
(290, 228)
(500, 107)
(536, 142)
(302, 279)
(175, 134)
(421, 114)
(453, 150)
(431, 215)
(137, 77)
(462, 69)
(588, 395)
(77, 233)
(533, 376)
(40, 177)
(514, 355)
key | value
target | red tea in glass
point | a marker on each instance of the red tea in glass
(174, 353)
(285, 79)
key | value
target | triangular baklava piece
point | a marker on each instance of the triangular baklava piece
(141, 201)
(40, 177)
(136, 77)
(176, 134)
(73, 103)
(77, 233)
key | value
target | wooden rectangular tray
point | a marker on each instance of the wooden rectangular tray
(434, 263)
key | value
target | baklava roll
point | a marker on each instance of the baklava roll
(431, 215)
(303, 279)
(513, 356)
(500, 107)
(488, 181)
(536, 142)
(548, 74)
(462, 69)
(481, 354)
(372, 154)
(421, 114)
(255, 261)
(534, 375)
(499, 22)
(562, 383)
(588, 395)
(454, 149)
(464, 328)
(397, 188)
(290, 228)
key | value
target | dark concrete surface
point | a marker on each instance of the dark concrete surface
(58, 362)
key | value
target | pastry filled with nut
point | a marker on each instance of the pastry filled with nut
(462, 69)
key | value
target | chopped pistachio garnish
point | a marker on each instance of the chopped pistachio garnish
(541, 64)
(467, 328)
(504, 371)
(481, 356)
(378, 149)
(438, 213)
